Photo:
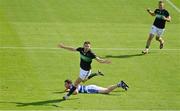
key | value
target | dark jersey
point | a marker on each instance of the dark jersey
(159, 22)
(86, 58)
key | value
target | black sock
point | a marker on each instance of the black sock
(71, 90)
(92, 75)
(147, 47)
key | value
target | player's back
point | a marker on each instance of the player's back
(88, 89)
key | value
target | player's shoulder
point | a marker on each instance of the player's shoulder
(156, 10)
(79, 48)
(166, 11)
(91, 52)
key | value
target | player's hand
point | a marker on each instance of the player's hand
(61, 45)
(66, 90)
(148, 9)
(168, 19)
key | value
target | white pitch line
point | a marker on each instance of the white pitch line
(174, 6)
(132, 49)
(31, 48)
(51, 48)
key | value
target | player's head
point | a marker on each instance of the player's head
(87, 46)
(67, 83)
(161, 4)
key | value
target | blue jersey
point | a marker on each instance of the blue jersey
(88, 89)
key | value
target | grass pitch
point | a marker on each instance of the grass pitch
(32, 72)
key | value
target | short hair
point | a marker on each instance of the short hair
(68, 81)
(87, 42)
(161, 1)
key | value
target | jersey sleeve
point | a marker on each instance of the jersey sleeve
(93, 55)
(155, 11)
(166, 14)
(78, 49)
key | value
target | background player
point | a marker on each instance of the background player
(158, 27)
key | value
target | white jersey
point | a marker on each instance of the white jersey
(89, 89)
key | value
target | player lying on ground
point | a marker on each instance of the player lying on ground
(158, 27)
(94, 88)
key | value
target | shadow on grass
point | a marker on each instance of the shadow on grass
(40, 103)
(59, 92)
(117, 93)
(123, 56)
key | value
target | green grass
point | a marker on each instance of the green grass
(32, 79)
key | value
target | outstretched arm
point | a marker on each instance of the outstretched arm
(150, 12)
(102, 60)
(66, 47)
(75, 92)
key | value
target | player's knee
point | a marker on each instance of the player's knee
(106, 92)
(150, 38)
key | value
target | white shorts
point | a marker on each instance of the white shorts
(158, 31)
(84, 74)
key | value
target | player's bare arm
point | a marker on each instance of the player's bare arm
(61, 45)
(102, 60)
(168, 19)
(75, 92)
(150, 12)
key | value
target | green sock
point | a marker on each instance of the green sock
(92, 75)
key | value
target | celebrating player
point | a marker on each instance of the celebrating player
(158, 27)
(86, 56)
